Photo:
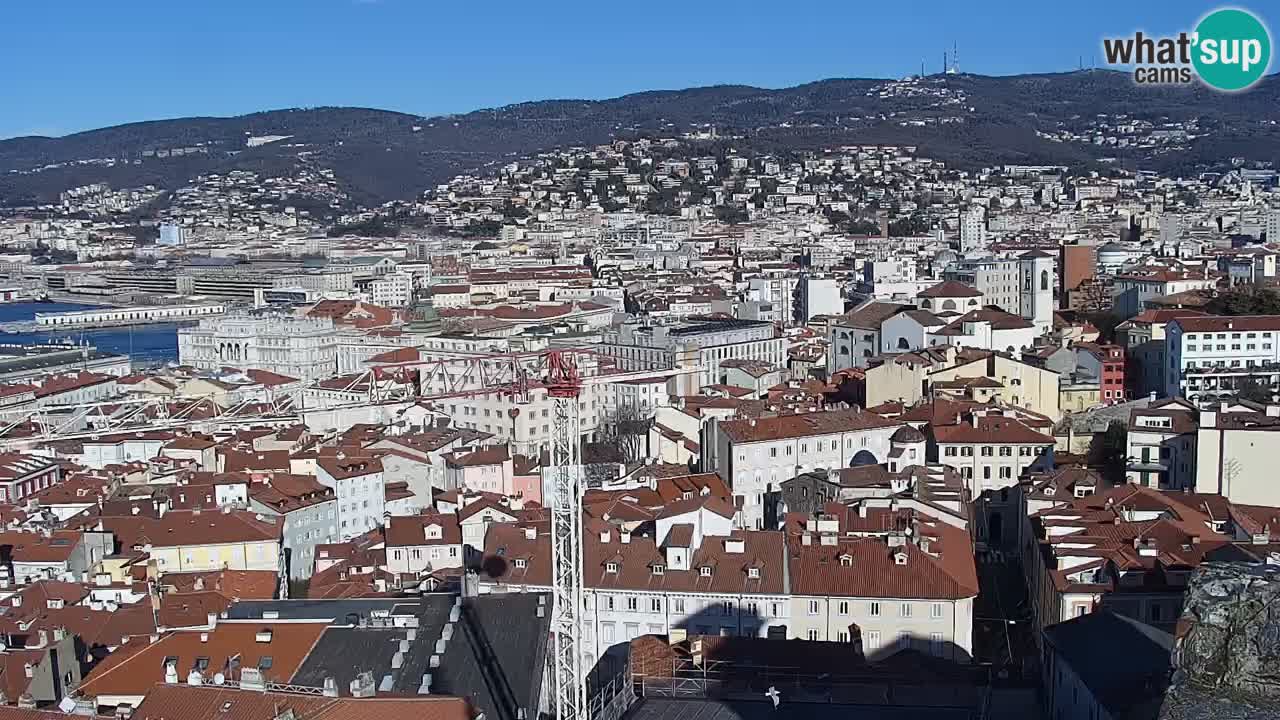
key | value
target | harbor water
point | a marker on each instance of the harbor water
(146, 344)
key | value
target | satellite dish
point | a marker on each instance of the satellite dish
(219, 679)
(66, 705)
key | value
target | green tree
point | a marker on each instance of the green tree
(1246, 300)
(1113, 451)
(1253, 391)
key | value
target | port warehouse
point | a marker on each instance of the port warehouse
(136, 314)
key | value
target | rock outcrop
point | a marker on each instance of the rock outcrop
(1229, 634)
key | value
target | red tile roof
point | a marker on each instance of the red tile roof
(949, 288)
(761, 549)
(1220, 323)
(136, 667)
(411, 530)
(803, 425)
(990, 430)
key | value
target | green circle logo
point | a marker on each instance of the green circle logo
(1232, 49)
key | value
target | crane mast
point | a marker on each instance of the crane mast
(564, 385)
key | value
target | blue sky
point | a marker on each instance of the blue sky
(70, 65)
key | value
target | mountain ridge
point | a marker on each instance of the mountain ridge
(964, 119)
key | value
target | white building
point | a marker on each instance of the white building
(841, 582)
(304, 348)
(753, 456)
(358, 487)
(973, 229)
(702, 343)
(818, 296)
(1209, 357)
(424, 543)
(392, 290)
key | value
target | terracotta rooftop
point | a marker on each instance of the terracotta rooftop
(803, 425)
(137, 666)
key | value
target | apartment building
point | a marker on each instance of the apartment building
(887, 577)
(1162, 440)
(25, 475)
(730, 584)
(307, 512)
(1107, 364)
(834, 582)
(1235, 454)
(424, 543)
(703, 343)
(995, 278)
(989, 449)
(1210, 357)
(359, 488)
(1143, 338)
(1129, 549)
(753, 456)
(1132, 290)
(200, 540)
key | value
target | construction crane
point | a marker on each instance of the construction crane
(561, 376)
(560, 372)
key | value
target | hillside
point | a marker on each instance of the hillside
(967, 120)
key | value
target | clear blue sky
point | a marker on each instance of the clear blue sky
(70, 65)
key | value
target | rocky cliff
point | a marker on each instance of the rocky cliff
(1227, 658)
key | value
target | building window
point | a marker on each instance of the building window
(611, 567)
(842, 636)
(874, 609)
(813, 634)
(753, 573)
(843, 607)
(813, 607)
(677, 605)
(704, 571)
(936, 611)
(905, 610)
(633, 604)
(873, 640)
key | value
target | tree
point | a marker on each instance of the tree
(1253, 391)
(626, 428)
(1113, 452)
(1106, 322)
(1246, 300)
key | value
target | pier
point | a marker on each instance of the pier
(114, 317)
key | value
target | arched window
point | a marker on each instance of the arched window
(863, 457)
(1044, 279)
(903, 344)
(926, 303)
(948, 304)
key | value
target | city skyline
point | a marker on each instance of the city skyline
(402, 56)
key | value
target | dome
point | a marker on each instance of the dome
(907, 434)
